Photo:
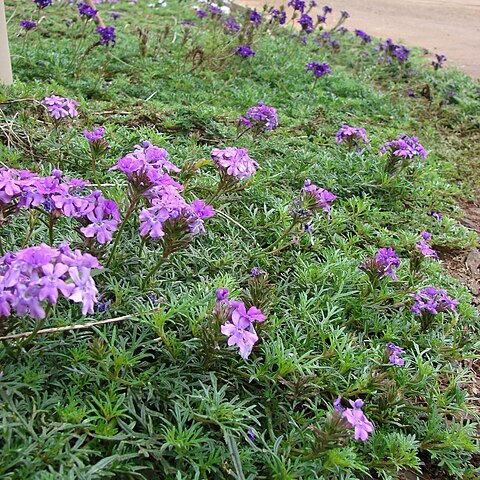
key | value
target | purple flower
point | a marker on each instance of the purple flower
(255, 18)
(279, 16)
(115, 16)
(404, 147)
(438, 216)
(104, 220)
(432, 300)
(245, 51)
(215, 11)
(321, 19)
(222, 294)
(107, 35)
(28, 25)
(240, 328)
(95, 135)
(43, 3)
(344, 15)
(261, 118)
(426, 250)
(384, 264)
(317, 198)
(231, 25)
(297, 5)
(255, 272)
(201, 13)
(85, 10)
(251, 435)
(366, 38)
(319, 69)
(306, 22)
(60, 107)
(357, 419)
(337, 405)
(438, 63)
(394, 353)
(84, 290)
(392, 50)
(351, 136)
(234, 162)
(326, 9)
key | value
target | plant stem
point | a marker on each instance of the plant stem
(156, 267)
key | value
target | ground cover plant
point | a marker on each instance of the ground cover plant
(246, 214)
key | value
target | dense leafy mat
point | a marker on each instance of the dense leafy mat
(161, 395)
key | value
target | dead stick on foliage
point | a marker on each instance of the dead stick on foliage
(82, 326)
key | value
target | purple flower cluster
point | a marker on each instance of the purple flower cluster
(394, 353)
(43, 3)
(36, 275)
(255, 18)
(27, 25)
(405, 147)
(318, 198)
(169, 212)
(245, 51)
(438, 63)
(392, 50)
(297, 5)
(239, 326)
(261, 118)
(279, 16)
(365, 37)
(95, 135)
(306, 22)
(351, 136)
(107, 35)
(319, 69)
(85, 10)
(432, 300)
(201, 13)
(355, 417)
(424, 247)
(234, 163)
(326, 9)
(59, 196)
(60, 107)
(231, 25)
(384, 264)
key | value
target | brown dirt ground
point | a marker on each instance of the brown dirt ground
(449, 27)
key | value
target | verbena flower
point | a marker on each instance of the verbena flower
(43, 3)
(95, 135)
(245, 51)
(392, 50)
(326, 9)
(321, 18)
(355, 417)
(201, 13)
(297, 5)
(115, 16)
(234, 163)
(107, 35)
(28, 25)
(384, 264)
(405, 146)
(433, 301)
(438, 63)
(437, 216)
(365, 37)
(87, 11)
(279, 16)
(255, 18)
(261, 118)
(239, 328)
(426, 249)
(318, 69)
(231, 25)
(222, 294)
(60, 107)
(315, 198)
(394, 353)
(215, 10)
(306, 22)
(351, 136)
(34, 276)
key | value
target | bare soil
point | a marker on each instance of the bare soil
(448, 27)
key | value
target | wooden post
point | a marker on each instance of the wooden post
(5, 65)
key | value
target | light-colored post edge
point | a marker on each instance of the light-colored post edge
(5, 64)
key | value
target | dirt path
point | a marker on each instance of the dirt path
(449, 27)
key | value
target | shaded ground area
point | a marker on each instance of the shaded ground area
(449, 27)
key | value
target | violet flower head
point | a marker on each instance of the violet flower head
(115, 16)
(384, 264)
(365, 37)
(234, 162)
(201, 13)
(239, 328)
(95, 135)
(215, 10)
(438, 63)
(431, 300)
(43, 3)
(437, 216)
(351, 136)
(87, 11)
(317, 198)
(306, 22)
(297, 5)
(319, 69)
(222, 294)
(426, 249)
(394, 353)
(321, 18)
(245, 51)
(279, 16)
(231, 25)
(405, 147)
(344, 15)
(255, 18)
(357, 419)
(27, 25)
(326, 9)
(261, 118)
(392, 50)
(337, 405)
(107, 35)
(59, 107)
